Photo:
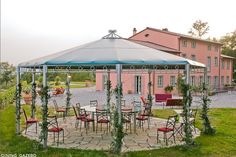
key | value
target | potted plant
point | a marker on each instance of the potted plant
(169, 89)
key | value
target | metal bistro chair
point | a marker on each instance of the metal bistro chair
(29, 121)
(54, 128)
(126, 117)
(170, 127)
(102, 118)
(78, 117)
(142, 117)
(59, 110)
(93, 103)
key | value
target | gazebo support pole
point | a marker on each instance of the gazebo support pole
(187, 103)
(149, 107)
(119, 88)
(67, 93)
(33, 95)
(108, 90)
(44, 132)
(18, 98)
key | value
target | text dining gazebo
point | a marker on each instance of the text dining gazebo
(110, 52)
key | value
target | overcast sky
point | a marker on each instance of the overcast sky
(34, 28)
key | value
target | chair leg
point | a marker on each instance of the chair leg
(26, 128)
(58, 138)
(157, 137)
(53, 136)
(36, 127)
(63, 135)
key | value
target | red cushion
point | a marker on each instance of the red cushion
(165, 129)
(142, 118)
(55, 129)
(103, 121)
(31, 121)
(80, 117)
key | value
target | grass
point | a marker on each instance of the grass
(220, 145)
(72, 85)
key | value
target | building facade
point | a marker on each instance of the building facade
(219, 67)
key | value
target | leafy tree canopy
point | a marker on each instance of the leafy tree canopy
(199, 29)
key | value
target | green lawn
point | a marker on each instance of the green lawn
(72, 85)
(222, 144)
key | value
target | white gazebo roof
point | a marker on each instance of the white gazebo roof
(110, 50)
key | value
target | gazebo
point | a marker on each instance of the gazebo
(109, 53)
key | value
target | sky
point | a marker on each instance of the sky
(35, 28)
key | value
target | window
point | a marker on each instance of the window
(208, 63)
(160, 81)
(184, 43)
(172, 81)
(200, 80)
(227, 79)
(193, 43)
(193, 57)
(216, 48)
(215, 81)
(209, 47)
(222, 64)
(193, 80)
(209, 80)
(216, 61)
(184, 55)
(222, 80)
(228, 64)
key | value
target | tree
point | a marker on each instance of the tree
(7, 73)
(229, 46)
(199, 29)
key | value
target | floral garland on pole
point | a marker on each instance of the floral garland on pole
(68, 94)
(187, 100)
(150, 98)
(18, 107)
(108, 94)
(33, 108)
(205, 101)
(118, 133)
(44, 125)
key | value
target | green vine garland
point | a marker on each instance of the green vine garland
(118, 133)
(33, 108)
(150, 98)
(68, 98)
(44, 125)
(108, 94)
(18, 107)
(187, 100)
(207, 128)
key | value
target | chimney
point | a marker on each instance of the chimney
(165, 29)
(134, 31)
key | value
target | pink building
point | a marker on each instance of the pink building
(220, 67)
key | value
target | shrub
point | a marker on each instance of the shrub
(57, 80)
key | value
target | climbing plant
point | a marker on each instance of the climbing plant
(18, 107)
(68, 96)
(44, 125)
(118, 133)
(150, 98)
(205, 101)
(108, 94)
(187, 100)
(33, 108)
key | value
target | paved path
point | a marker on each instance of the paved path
(142, 140)
(84, 95)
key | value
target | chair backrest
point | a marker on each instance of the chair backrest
(52, 122)
(171, 121)
(93, 103)
(137, 106)
(174, 102)
(24, 114)
(75, 111)
(102, 114)
(162, 97)
(127, 113)
(143, 99)
(55, 104)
